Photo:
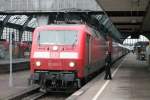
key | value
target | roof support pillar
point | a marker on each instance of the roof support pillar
(146, 25)
(1, 31)
(4, 24)
(20, 34)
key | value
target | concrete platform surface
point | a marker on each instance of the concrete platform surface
(20, 64)
(20, 82)
(131, 81)
(2, 62)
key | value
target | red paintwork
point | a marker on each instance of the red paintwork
(98, 47)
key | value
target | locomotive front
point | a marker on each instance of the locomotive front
(56, 57)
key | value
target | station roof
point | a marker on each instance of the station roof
(16, 21)
(9, 6)
(22, 9)
(129, 16)
(30, 7)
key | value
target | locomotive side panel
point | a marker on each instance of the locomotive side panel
(95, 47)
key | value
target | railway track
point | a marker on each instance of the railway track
(25, 93)
(47, 96)
(33, 93)
(34, 96)
(55, 96)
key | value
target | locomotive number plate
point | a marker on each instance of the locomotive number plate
(54, 64)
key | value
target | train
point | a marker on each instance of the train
(64, 56)
(19, 49)
(140, 49)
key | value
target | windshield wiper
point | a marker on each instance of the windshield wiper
(39, 40)
(73, 44)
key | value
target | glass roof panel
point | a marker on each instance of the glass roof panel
(33, 23)
(2, 17)
(18, 19)
(13, 19)
(22, 20)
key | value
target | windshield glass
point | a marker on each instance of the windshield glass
(58, 37)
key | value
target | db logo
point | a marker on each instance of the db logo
(54, 55)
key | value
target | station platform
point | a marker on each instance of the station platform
(131, 81)
(18, 65)
(20, 83)
(20, 60)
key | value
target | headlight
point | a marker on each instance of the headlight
(71, 64)
(55, 48)
(38, 63)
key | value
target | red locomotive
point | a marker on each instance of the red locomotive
(64, 55)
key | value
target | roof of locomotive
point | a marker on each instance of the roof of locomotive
(65, 26)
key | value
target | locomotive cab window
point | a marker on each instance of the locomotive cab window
(58, 37)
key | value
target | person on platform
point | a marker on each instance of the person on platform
(108, 66)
